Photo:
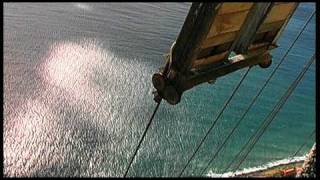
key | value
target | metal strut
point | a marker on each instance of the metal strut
(258, 94)
(210, 34)
(264, 125)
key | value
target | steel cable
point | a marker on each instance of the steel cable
(260, 91)
(258, 94)
(142, 138)
(305, 142)
(214, 122)
(272, 114)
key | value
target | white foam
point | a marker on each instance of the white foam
(259, 168)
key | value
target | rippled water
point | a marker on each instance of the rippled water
(78, 94)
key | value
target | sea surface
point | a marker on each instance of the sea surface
(78, 94)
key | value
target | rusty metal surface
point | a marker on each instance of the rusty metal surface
(196, 57)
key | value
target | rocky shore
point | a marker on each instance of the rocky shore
(300, 169)
(309, 166)
(275, 171)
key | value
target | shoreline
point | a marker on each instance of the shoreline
(266, 170)
(273, 171)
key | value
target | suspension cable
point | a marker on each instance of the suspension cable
(258, 94)
(305, 142)
(214, 122)
(142, 138)
(274, 112)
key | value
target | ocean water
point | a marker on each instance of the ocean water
(78, 94)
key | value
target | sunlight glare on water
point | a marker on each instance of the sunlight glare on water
(78, 94)
(83, 6)
(70, 66)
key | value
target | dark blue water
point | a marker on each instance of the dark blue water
(78, 94)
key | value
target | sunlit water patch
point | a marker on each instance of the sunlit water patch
(83, 6)
(78, 94)
(77, 77)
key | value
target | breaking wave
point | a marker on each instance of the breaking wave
(258, 168)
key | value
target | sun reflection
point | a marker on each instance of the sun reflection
(31, 136)
(27, 137)
(71, 66)
(83, 6)
(84, 77)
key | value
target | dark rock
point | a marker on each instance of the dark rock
(309, 165)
